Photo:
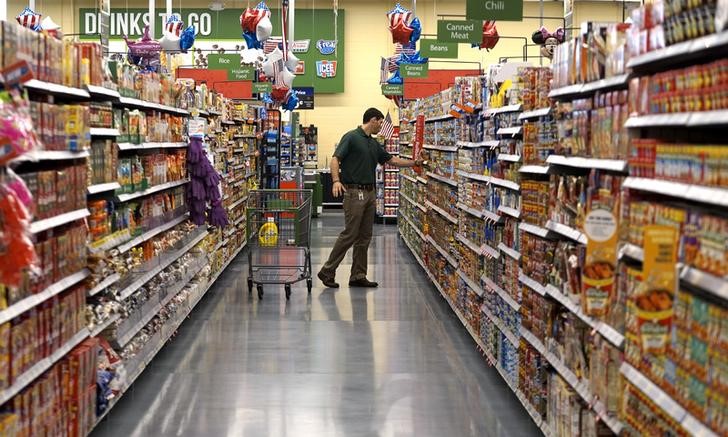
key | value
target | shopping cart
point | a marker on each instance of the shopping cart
(279, 238)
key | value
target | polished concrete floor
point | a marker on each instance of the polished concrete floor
(394, 361)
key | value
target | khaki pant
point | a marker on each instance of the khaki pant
(359, 220)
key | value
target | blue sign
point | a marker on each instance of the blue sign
(326, 46)
(305, 97)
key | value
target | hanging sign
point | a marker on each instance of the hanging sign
(305, 97)
(437, 49)
(467, 32)
(502, 10)
(262, 87)
(414, 70)
(392, 90)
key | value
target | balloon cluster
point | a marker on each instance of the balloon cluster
(256, 25)
(277, 67)
(406, 31)
(32, 20)
(174, 38)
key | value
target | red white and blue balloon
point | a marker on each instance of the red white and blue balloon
(28, 18)
(174, 25)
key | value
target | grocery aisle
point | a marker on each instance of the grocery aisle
(394, 361)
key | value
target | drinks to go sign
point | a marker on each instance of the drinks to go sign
(503, 10)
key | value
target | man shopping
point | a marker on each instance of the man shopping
(353, 170)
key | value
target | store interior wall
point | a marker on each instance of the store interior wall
(367, 40)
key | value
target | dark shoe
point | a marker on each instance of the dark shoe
(329, 282)
(363, 282)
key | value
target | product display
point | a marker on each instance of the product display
(592, 281)
(116, 156)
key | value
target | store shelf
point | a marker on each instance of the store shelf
(490, 252)
(151, 190)
(513, 131)
(510, 252)
(679, 54)
(469, 244)
(101, 92)
(443, 179)
(442, 212)
(136, 103)
(391, 205)
(439, 118)
(535, 230)
(104, 284)
(239, 220)
(474, 176)
(503, 109)
(134, 286)
(55, 89)
(504, 183)
(441, 148)
(536, 113)
(151, 233)
(442, 251)
(147, 146)
(469, 210)
(103, 132)
(237, 202)
(694, 193)
(532, 284)
(409, 178)
(509, 211)
(653, 392)
(32, 301)
(42, 366)
(492, 216)
(473, 286)
(98, 329)
(127, 333)
(416, 229)
(615, 165)
(509, 158)
(51, 155)
(501, 327)
(61, 219)
(391, 170)
(707, 282)
(172, 329)
(102, 188)
(500, 292)
(492, 144)
(407, 198)
(566, 231)
(566, 91)
(534, 169)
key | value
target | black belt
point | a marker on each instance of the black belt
(367, 187)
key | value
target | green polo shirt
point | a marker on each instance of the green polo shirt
(359, 154)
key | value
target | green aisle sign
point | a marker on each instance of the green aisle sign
(414, 70)
(459, 31)
(392, 90)
(230, 63)
(437, 49)
(503, 10)
(262, 87)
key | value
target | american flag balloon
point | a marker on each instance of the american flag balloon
(28, 18)
(174, 25)
(251, 16)
(399, 14)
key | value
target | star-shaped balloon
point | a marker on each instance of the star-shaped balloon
(250, 18)
(187, 39)
(396, 79)
(399, 14)
(401, 33)
(28, 18)
(414, 58)
(174, 25)
(416, 30)
(280, 93)
(291, 103)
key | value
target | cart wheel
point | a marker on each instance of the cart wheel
(288, 292)
(260, 291)
(309, 284)
(250, 285)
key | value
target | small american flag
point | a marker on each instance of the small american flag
(271, 43)
(408, 49)
(277, 69)
(387, 127)
(384, 70)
